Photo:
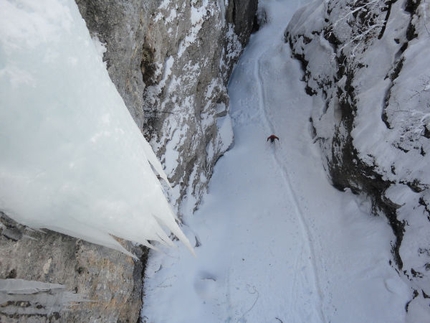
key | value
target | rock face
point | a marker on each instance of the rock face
(186, 101)
(366, 64)
(50, 277)
(170, 61)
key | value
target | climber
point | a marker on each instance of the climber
(272, 138)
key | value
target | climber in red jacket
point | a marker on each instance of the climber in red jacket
(272, 138)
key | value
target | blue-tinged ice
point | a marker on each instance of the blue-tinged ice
(71, 157)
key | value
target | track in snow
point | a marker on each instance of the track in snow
(278, 243)
(265, 70)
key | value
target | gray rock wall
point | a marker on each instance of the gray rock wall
(185, 99)
(49, 277)
(171, 62)
(121, 27)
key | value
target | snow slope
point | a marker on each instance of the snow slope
(274, 241)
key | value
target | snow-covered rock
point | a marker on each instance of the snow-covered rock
(366, 63)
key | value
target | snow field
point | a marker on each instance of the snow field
(276, 242)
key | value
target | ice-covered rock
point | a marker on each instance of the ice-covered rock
(26, 297)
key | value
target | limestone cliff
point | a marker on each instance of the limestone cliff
(49, 277)
(170, 61)
(366, 65)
